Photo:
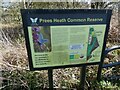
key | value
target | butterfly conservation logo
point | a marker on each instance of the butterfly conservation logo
(34, 21)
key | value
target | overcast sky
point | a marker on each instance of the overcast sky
(44, 0)
(59, 0)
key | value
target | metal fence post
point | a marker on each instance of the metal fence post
(82, 78)
(102, 61)
(50, 78)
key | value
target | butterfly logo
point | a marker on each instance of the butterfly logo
(34, 20)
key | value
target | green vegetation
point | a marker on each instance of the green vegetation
(14, 61)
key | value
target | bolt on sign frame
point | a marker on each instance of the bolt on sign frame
(60, 38)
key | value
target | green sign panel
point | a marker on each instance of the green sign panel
(61, 38)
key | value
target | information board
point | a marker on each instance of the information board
(61, 38)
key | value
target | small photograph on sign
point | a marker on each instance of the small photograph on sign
(41, 38)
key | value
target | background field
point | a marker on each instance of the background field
(14, 68)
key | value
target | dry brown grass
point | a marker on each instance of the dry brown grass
(12, 55)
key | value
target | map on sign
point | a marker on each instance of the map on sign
(65, 39)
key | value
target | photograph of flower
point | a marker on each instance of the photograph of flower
(41, 38)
